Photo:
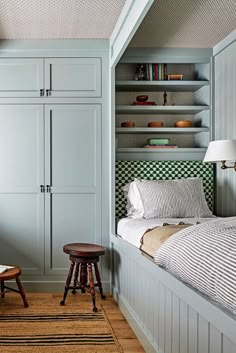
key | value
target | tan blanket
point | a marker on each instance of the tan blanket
(153, 238)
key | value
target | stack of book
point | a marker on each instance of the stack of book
(159, 143)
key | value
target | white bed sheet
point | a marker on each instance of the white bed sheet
(133, 229)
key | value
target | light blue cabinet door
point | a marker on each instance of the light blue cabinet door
(73, 77)
(22, 172)
(21, 77)
(73, 170)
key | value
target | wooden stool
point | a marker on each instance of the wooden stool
(82, 257)
(13, 273)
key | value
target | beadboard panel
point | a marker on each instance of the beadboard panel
(170, 317)
(225, 125)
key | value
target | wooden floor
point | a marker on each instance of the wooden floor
(123, 331)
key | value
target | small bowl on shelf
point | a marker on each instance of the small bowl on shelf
(155, 124)
(142, 98)
(128, 124)
(183, 123)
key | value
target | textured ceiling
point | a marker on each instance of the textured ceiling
(55, 19)
(186, 23)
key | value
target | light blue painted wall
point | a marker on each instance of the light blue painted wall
(225, 125)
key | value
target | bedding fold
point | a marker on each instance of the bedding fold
(153, 238)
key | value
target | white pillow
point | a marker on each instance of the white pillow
(182, 198)
(134, 205)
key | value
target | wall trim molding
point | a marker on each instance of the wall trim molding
(54, 48)
(130, 19)
(224, 43)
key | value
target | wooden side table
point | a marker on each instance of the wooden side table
(13, 273)
(82, 257)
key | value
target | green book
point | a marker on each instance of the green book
(158, 141)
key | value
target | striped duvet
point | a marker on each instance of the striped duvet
(204, 255)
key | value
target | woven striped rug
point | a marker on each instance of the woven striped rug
(51, 328)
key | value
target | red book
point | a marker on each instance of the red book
(144, 103)
(156, 72)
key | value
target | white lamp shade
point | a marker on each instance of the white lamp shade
(221, 150)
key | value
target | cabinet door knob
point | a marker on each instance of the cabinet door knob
(42, 188)
(47, 92)
(48, 188)
(41, 92)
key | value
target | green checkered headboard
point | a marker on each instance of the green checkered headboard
(126, 171)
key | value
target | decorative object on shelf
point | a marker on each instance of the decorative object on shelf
(222, 151)
(142, 98)
(159, 143)
(165, 98)
(183, 123)
(128, 124)
(155, 124)
(140, 73)
(175, 77)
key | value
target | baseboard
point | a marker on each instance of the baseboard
(133, 322)
(52, 286)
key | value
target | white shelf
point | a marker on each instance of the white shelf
(160, 109)
(161, 130)
(167, 154)
(162, 150)
(156, 86)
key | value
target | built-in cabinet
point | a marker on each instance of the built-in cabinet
(52, 111)
(55, 77)
(50, 188)
(187, 99)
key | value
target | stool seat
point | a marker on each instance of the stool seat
(84, 249)
(10, 274)
(82, 257)
(13, 273)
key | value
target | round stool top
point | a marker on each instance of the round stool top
(11, 273)
(84, 249)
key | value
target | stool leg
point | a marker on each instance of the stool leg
(68, 280)
(76, 277)
(99, 281)
(83, 277)
(91, 284)
(2, 289)
(22, 292)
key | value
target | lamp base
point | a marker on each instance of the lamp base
(224, 166)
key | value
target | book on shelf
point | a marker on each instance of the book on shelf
(144, 103)
(160, 146)
(156, 72)
(4, 268)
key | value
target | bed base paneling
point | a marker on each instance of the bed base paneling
(167, 315)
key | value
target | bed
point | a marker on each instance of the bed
(167, 314)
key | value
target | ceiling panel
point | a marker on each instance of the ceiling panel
(186, 23)
(55, 19)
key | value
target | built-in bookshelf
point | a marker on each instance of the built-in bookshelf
(186, 98)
